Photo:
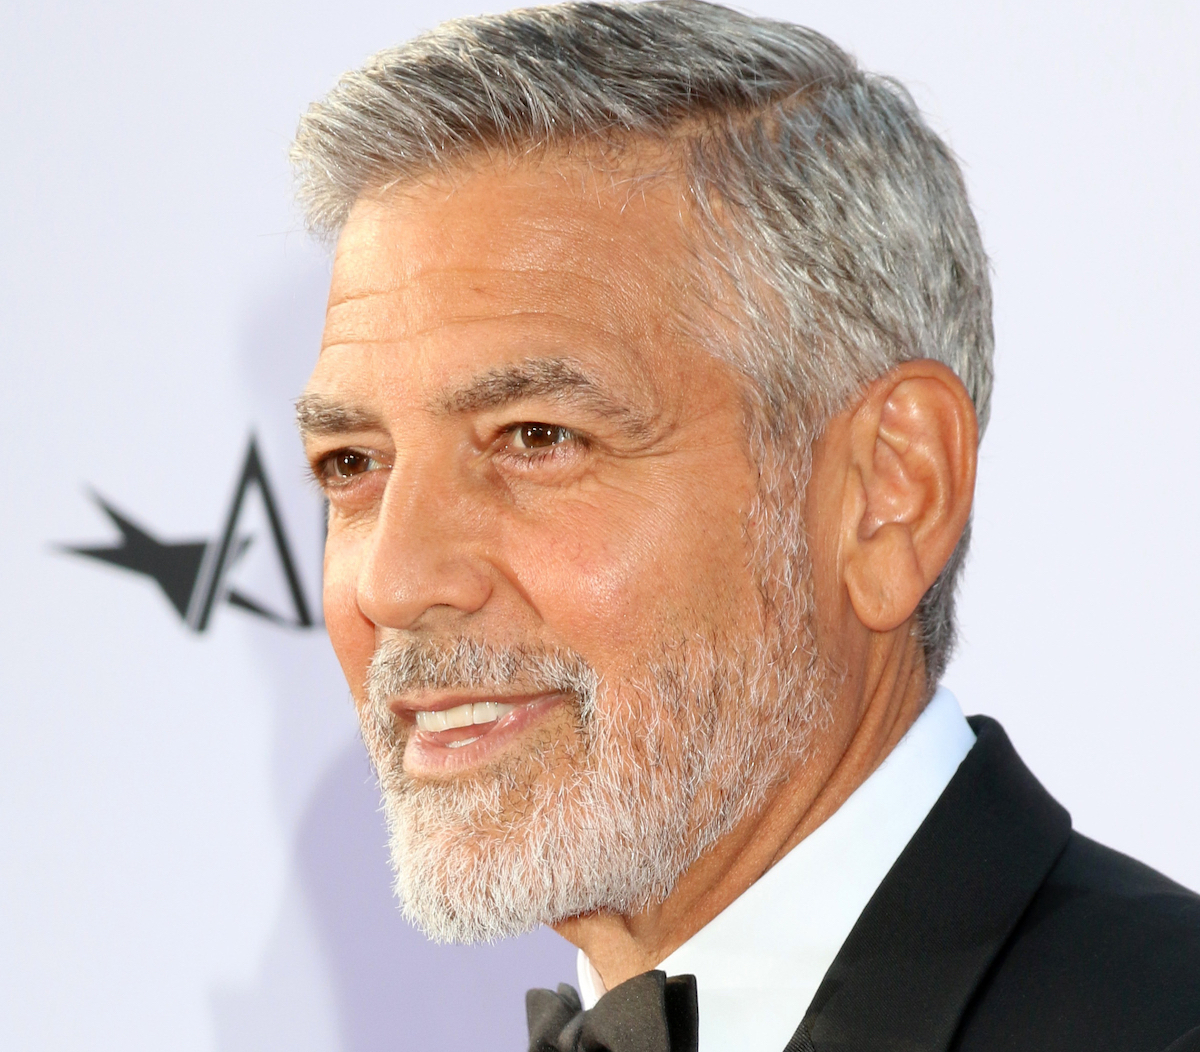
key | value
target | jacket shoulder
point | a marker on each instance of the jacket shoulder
(1105, 957)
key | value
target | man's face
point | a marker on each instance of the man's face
(543, 572)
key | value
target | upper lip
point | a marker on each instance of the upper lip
(436, 702)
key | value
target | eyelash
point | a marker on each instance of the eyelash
(527, 458)
(323, 467)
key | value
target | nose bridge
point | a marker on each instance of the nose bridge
(425, 549)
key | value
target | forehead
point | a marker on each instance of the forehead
(508, 262)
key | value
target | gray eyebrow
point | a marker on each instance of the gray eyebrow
(318, 415)
(555, 378)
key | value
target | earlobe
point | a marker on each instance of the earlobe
(912, 441)
(886, 586)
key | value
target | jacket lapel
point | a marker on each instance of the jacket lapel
(905, 974)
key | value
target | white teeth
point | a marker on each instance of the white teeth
(463, 716)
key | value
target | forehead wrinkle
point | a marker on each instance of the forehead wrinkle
(368, 331)
(426, 280)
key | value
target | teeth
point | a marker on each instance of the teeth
(463, 715)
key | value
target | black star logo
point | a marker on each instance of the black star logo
(192, 574)
(176, 567)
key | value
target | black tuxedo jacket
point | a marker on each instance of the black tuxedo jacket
(999, 929)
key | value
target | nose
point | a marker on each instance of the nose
(425, 551)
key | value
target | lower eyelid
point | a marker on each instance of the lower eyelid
(355, 488)
(522, 459)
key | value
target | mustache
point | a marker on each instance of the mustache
(401, 666)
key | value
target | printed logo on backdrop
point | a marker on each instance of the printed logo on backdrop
(197, 576)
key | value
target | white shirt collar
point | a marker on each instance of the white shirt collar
(759, 963)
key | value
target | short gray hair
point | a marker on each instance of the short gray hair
(835, 215)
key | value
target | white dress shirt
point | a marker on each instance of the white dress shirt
(759, 963)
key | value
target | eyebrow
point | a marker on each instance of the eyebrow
(317, 415)
(553, 378)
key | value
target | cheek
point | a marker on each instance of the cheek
(616, 574)
(352, 635)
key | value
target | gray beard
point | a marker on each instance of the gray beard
(661, 769)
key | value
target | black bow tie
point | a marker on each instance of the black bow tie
(648, 1013)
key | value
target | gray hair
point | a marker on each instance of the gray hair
(829, 209)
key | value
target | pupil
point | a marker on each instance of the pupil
(347, 464)
(539, 435)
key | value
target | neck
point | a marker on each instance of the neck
(870, 715)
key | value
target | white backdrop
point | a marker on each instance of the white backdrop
(190, 856)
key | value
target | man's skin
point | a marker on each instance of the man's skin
(450, 517)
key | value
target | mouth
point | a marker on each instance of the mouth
(456, 734)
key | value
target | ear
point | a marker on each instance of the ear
(912, 443)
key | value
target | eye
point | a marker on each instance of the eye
(345, 465)
(539, 436)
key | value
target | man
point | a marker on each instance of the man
(657, 351)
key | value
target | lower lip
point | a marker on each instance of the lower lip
(426, 754)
